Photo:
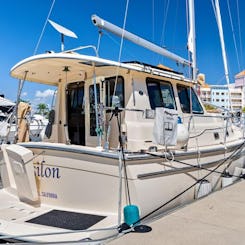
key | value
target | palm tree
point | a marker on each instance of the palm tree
(42, 109)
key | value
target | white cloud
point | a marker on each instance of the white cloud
(44, 94)
(24, 94)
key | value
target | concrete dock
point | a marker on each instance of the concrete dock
(216, 219)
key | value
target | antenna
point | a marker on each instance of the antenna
(63, 31)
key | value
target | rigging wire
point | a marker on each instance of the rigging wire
(199, 166)
(122, 37)
(131, 54)
(215, 14)
(216, 9)
(235, 152)
(119, 60)
(153, 20)
(153, 24)
(118, 116)
(165, 14)
(99, 40)
(187, 22)
(175, 26)
(239, 32)
(5, 237)
(121, 45)
(44, 26)
(233, 35)
(187, 35)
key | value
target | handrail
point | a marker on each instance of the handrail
(83, 47)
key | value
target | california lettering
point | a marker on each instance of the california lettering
(44, 171)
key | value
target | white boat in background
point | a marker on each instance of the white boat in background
(124, 139)
(35, 126)
(6, 106)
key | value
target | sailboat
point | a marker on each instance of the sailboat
(126, 142)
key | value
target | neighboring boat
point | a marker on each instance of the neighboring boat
(6, 106)
(122, 135)
(33, 130)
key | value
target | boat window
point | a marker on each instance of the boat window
(117, 98)
(160, 94)
(184, 97)
(92, 108)
(76, 102)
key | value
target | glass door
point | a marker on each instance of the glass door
(76, 113)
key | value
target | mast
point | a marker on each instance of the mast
(103, 24)
(192, 38)
(221, 35)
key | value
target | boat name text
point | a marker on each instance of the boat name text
(44, 171)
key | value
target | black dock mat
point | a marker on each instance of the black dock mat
(67, 220)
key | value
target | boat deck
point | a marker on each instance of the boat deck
(216, 219)
(44, 223)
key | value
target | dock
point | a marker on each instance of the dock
(216, 219)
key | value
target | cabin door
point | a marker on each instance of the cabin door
(76, 113)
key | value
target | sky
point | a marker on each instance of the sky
(162, 22)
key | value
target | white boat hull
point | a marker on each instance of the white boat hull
(84, 180)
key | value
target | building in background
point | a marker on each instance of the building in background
(218, 95)
(240, 79)
(240, 83)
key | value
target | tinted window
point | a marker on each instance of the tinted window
(117, 92)
(160, 94)
(184, 96)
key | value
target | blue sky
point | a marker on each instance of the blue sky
(21, 23)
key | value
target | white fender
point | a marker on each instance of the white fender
(182, 135)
